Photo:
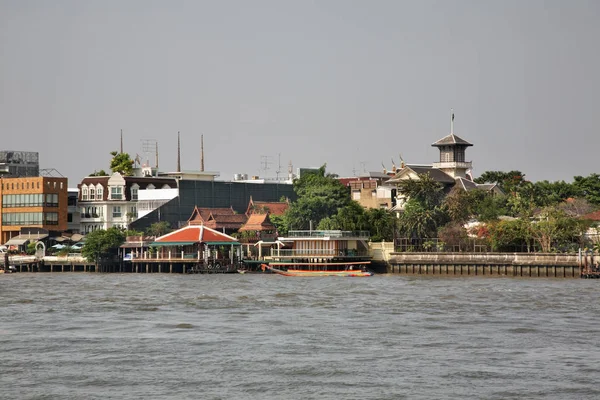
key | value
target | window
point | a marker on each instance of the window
(356, 195)
(92, 193)
(116, 193)
(70, 217)
(133, 212)
(84, 194)
(134, 192)
(116, 212)
(99, 192)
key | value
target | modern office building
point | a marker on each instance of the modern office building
(32, 205)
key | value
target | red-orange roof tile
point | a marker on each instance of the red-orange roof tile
(195, 234)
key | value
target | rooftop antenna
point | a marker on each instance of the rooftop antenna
(202, 153)
(452, 122)
(278, 166)
(265, 163)
(121, 141)
(178, 153)
(363, 165)
(149, 146)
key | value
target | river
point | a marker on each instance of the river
(255, 336)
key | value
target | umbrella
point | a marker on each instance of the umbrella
(58, 246)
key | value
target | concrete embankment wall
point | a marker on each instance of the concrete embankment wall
(486, 264)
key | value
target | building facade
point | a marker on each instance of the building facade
(112, 201)
(32, 202)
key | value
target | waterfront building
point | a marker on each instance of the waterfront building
(112, 201)
(451, 170)
(32, 208)
(73, 211)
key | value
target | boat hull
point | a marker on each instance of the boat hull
(307, 273)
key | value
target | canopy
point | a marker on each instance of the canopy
(16, 241)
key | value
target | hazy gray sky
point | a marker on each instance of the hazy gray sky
(348, 83)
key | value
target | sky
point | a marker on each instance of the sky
(351, 84)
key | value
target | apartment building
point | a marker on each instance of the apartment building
(32, 204)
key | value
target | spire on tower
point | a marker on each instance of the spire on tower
(452, 122)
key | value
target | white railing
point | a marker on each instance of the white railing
(453, 164)
(317, 253)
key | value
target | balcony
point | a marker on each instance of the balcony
(453, 165)
(329, 234)
(298, 253)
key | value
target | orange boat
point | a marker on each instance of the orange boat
(349, 271)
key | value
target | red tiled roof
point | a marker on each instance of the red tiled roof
(594, 216)
(273, 207)
(203, 214)
(258, 222)
(195, 234)
(220, 221)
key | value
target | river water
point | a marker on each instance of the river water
(255, 336)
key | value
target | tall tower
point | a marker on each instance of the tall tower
(452, 154)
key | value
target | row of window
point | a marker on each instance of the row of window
(29, 185)
(98, 212)
(31, 218)
(116, 193)
(30, 200)
(94, 227)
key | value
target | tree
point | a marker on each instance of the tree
(423, 213)
(508, 181)
(320, 195)
(121, 163)
(158, 229)
(381, 224)
(588, 187)
(508, 235)
(99, 173)
(102, 243)
(418, 221)
(424, 190)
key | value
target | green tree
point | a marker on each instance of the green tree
(121, 163)
(588, 187)
(158, 229)
(320, 195)
(418, 221)
(509, 235)
(99, 173)
(102, 243)
(381, 224)
(424, 190)
(508, 181)
(423, 212)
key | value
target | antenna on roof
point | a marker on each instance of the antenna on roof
(202, 153)
(452, 122)
(278, 166)
(178, 153)
(121, 141)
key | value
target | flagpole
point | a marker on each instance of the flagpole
(452, 122)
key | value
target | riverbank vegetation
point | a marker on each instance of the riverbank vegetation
(541, 216)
